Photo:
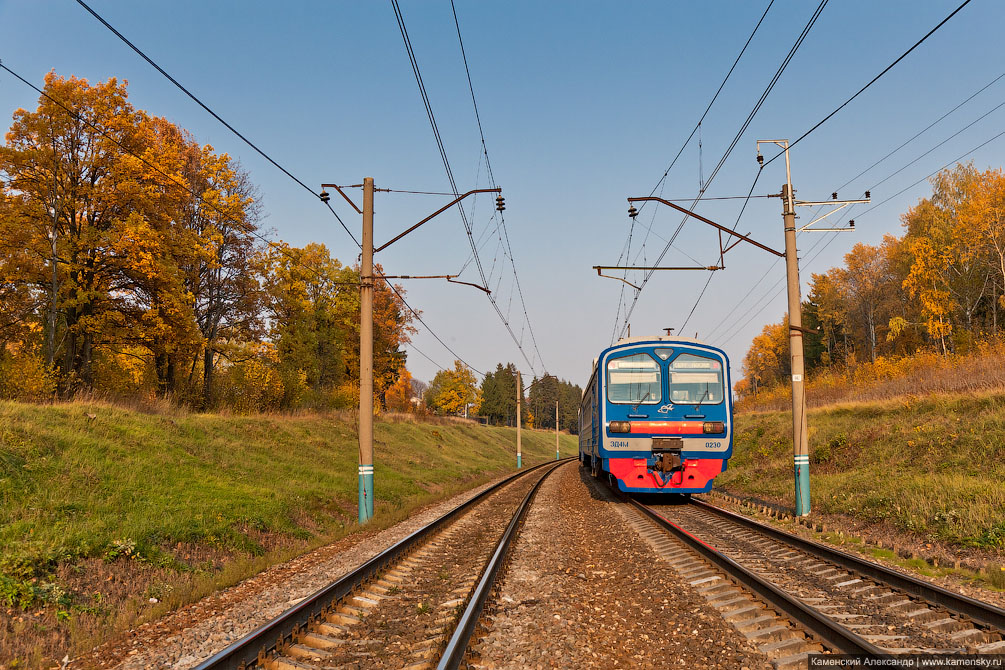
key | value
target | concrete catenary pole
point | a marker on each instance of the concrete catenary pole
(556, 430)
(800, 442)
(366, 359)
(519, 393)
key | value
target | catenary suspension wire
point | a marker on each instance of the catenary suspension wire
(450, 176)
(687, 141)
(492, 181)
(872, 81)
(750, 117)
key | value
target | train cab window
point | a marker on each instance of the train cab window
(696, 380)
(634, 380)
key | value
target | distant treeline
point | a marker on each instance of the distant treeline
(936, 289)
(457, 392)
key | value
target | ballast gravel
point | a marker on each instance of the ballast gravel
(192, 634)
(583, 590)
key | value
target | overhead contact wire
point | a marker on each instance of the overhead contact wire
(492, 181)
(450, 176)
(750, 117)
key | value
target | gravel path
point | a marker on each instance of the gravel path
(193, 633)
(585, 591)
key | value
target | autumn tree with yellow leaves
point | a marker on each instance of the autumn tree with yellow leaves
(939, 287)
(131, 264)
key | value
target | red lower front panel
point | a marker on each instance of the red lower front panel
(633, 475)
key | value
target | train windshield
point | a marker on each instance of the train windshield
(634, 380)
(696, 380)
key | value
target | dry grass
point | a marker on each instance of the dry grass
(931, 466)
(978, 371)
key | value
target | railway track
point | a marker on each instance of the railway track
(415, 605)
(795, 597)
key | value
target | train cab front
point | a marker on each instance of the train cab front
(667, 423)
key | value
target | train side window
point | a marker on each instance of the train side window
(696, 380)
(634, 380)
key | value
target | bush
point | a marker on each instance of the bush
(253, 386)
(26, 377)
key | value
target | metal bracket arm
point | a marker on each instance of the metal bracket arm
(450, 278)
(841, 204)
(342, 193)
(436, 213)
(709, 222)
(598, 268)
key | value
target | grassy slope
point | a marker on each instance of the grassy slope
(935, 466)
(154, 487)
(72, 486)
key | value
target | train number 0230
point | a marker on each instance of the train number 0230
(713, 445)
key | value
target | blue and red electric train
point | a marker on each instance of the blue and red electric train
(657, 415)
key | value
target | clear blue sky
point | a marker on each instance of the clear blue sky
(583, 104)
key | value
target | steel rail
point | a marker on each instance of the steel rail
(972, 608)
(833, 635)
(245, 652)
(456, 647)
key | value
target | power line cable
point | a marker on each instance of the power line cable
(833, 235)
(208, 109)
(922, 131)
(872, 81)
(918, 158)
(932, 174)
(730, 312)
(219, 210)
(738, 329)
(255, 147)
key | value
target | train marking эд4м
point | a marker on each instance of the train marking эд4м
(657, 415)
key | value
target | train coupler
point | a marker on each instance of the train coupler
(668, 462)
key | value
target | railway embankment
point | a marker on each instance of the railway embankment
(111, 517)
(915, 479)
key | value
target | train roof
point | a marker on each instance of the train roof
(657, 338)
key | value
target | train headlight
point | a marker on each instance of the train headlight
(620, 427)
(713, 427)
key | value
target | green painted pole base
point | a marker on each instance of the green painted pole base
(801, 463)
(519, 460)
(365, 493)
(556, 454)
